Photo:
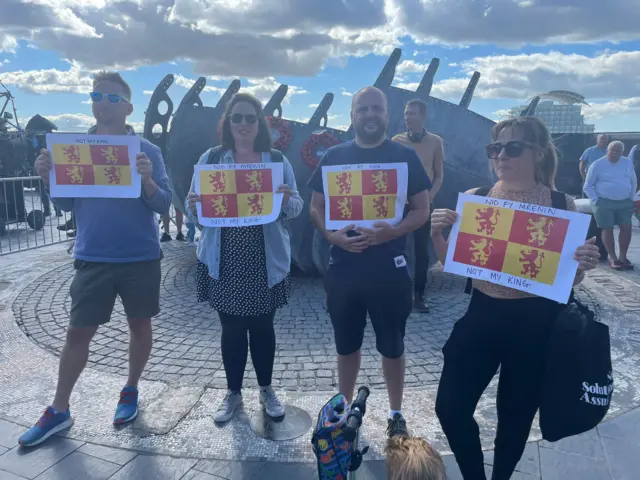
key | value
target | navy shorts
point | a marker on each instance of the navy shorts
(387, 299)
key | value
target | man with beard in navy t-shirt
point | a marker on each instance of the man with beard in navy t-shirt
(368, 269)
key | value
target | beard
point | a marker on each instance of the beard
(368, 137)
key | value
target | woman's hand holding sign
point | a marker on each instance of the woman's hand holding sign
(588, 257)
(442, 218)
(193, 199)
(286, 190)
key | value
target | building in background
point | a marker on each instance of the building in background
(559, 118)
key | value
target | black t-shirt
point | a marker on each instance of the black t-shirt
(381, 256)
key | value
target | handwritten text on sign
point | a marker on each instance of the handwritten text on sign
(519, 245)
(237, 195)
(96, 166)
(364, 194)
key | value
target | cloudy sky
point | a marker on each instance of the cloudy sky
(50, 48)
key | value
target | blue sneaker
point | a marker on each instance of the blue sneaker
(49, 424)
(127, 408)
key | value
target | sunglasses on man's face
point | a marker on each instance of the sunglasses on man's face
(512, 149)
(111, 97)
(249, 118)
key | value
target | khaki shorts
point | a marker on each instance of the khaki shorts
(95, 287)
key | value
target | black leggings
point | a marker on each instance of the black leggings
(235, 346)
(510, 334)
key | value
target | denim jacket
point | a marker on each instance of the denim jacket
(276, 237)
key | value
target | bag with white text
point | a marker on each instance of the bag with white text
(578, 384)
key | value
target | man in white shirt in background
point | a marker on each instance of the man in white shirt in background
(611, 185)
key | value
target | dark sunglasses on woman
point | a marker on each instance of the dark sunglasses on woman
(249, 119)
(112, 97)
(513, 149)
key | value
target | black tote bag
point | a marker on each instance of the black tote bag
(578, 384)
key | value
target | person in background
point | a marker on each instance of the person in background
(503, 328)
(368, 271)
(611, 186)
(166, 223)
(412, 458)
(108, 264)
(244, 272)
(430, 150)
(591, 154)
(191, 231)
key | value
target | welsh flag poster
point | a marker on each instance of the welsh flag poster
(518, 245)
(237, 195)
(364, 194)
(96, 166)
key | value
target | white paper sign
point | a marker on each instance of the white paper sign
(364, 194)
(526, 247)
(238, 195)
(94, 166)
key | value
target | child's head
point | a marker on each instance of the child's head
(413, 459)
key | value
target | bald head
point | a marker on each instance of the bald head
(375, 91)
(369, 116)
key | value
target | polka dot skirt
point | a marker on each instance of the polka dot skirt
(242, 288)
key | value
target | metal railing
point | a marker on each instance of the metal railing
(28, 219)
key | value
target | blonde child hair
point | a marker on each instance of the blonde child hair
(411, 458)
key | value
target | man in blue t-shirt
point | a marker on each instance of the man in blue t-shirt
(117, 253)
(368, 269)
(591, 154)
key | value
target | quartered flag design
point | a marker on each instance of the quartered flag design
(526, 247)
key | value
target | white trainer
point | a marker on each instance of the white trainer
(229, 404)
(270, 402)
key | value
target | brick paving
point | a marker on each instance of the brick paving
(184, 443)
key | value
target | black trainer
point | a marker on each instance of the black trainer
(397, 426)
(165, 237)
(180, 237)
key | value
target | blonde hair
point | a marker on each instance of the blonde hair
(536, 132)
(413, 459)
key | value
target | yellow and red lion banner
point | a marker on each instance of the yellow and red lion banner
(101, 166)
(364, 194)
(237, 195)
(519, 245)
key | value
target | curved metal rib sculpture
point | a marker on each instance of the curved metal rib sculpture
(195, 128)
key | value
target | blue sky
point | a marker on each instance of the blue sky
(49, 69)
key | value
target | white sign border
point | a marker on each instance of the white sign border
(567, 267)
(277, 175)
(95, 191)
(401, 197)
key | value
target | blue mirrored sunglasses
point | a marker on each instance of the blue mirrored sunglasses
(112, 97)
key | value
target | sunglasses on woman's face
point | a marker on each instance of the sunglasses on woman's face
(249, 118)
(512, 149)
(112, 97)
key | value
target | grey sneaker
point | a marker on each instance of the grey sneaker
(229, 404)
(271, 404)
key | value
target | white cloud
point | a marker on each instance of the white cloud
(265, 38)
(72, 122)
(609, 75)
(74, 80)
(343, 91)
(515, 23)
(314, 105)
(409, 66)
(625, 106)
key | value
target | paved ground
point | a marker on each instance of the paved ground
(175, 437)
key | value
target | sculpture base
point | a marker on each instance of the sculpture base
(295, 423)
